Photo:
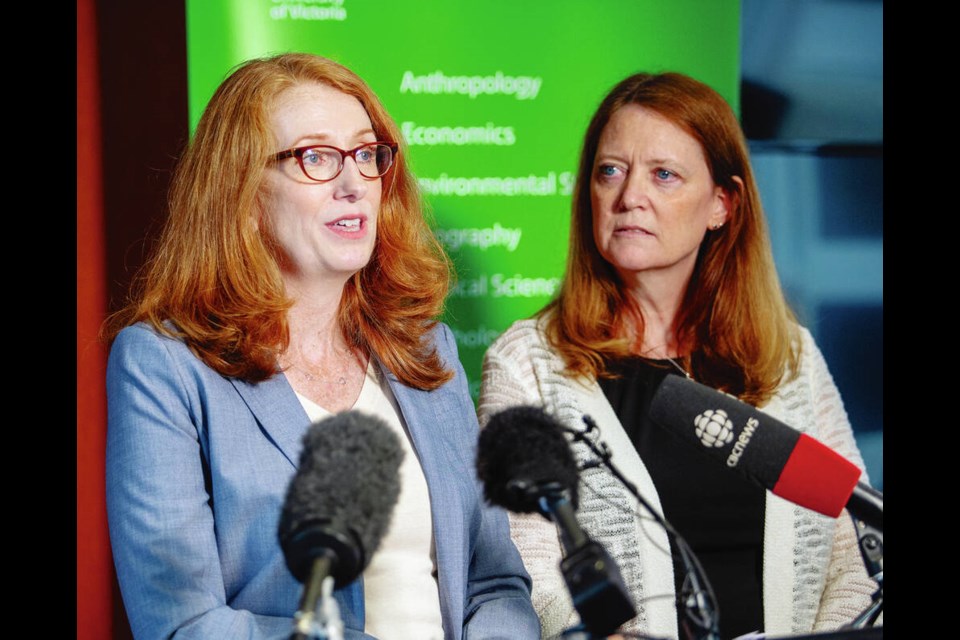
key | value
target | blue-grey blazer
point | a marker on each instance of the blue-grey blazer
(197, 472)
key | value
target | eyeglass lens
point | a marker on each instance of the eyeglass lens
(324, 163)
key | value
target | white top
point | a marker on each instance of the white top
(401, 596)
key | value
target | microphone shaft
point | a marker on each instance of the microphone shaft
(866, 503)
(562, 513)
(321, 567)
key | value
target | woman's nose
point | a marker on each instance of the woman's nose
(350, 183)
(635, 192)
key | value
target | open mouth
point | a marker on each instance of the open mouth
(348, 224)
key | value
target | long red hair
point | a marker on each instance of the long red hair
(214, 281)
(734, 317)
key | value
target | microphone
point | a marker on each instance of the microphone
(338, 504)
(791, 464)
(525, 464)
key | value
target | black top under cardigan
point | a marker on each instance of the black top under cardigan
(718, 512)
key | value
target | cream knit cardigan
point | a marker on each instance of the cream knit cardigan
(813, 575)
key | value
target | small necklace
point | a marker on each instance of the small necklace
(681, 369)
(668, 359)
(312, 378)
(339, 380)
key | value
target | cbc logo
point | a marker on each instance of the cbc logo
(714, 428)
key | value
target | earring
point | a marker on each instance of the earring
(716, 226)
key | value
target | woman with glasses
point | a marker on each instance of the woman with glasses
(670, 272)
(296, 278)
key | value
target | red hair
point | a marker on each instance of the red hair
(734, 318)
(214, 281)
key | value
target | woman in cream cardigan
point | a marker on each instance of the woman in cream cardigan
(670, 272)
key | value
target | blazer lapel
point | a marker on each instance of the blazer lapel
(426, 414)
(279, 412)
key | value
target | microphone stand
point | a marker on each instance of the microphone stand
(700, 604)
(318, 617)
(871, 549)
(592, 577)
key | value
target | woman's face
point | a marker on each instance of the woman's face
(324, 229)
(652, 196)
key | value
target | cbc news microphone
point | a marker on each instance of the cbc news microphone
(339, 503)
(779, 458)
(526, 466)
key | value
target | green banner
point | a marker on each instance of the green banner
(493, 98)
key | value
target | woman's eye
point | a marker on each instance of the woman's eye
(664, 174)
(366, 155)
(314, 157)
(608, 171)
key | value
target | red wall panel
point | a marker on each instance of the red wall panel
(131, 126)
(94, 566)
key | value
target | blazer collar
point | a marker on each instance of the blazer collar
(429, 415)
(279, 412)
(417, 413)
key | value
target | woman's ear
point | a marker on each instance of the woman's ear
(727, 202)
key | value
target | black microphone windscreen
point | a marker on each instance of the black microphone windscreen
(343, 494)
(524, 447)
(775, 456)
(718, 425)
